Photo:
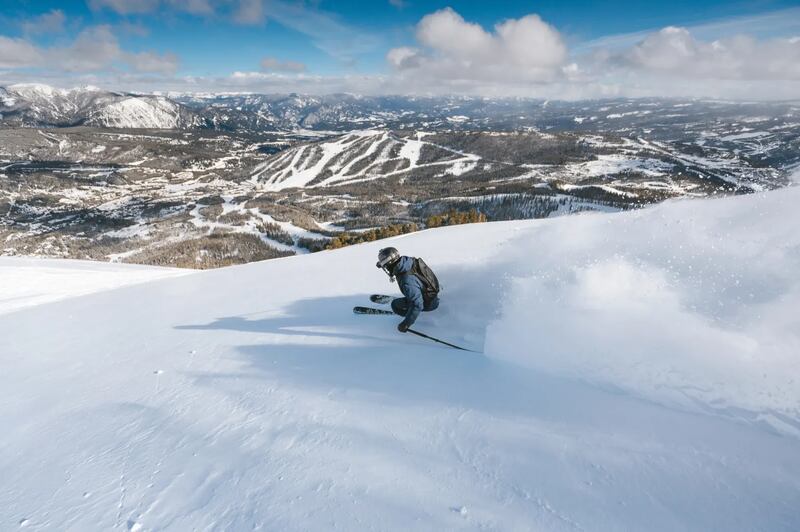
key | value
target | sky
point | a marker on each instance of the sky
(552, 49)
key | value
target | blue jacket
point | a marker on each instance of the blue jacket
(411, 287)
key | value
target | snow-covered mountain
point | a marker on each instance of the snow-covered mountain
(42, 105)
(695, 121)
(203, 180)
(639, 372)
(603, 164)
(138, 112)
(359, 156)
(204, 198)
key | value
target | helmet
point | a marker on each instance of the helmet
(387, 258)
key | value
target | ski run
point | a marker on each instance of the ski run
(641, 371)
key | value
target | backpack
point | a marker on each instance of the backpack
(430, 284)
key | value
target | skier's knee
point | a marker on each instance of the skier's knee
(399, 306)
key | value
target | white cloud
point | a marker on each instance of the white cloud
(95, 49)
(276, 65)
(676, 52)
(125, 7)
(129, 28)
(15, 53)
(166, 64)
(141, 7)
(405, 57)
(249, 12)
(523, 57)
(325, 30)
(528, 57)
(773, 24)
(452, 50)
(50, 22)
(195, 7)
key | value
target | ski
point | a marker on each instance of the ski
(381, 299)
(370, 310)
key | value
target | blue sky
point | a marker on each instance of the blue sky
(386, 45)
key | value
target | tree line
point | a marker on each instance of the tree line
(349, 238)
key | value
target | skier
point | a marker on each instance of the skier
(417, 282)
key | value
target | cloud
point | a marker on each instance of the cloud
(676, 52)
(141, 7)
(137, 30)
(16, 53)
(452, 50)
(95, 49)
(524, 57)
(405, 58)
(125, 7)
(152, 62)
(249, 12)
(528, 57)
(50, 22)
(194, 7)
(283, 82)
(276, 65)
(326, 31)
(399, 4)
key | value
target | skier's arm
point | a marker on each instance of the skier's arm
(415, 304)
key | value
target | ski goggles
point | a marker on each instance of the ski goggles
(386, 263)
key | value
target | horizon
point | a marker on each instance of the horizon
(216, 94)
(577, 51)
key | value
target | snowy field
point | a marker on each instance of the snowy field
(26, 282)
(641, 372)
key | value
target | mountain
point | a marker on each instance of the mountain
(209, 180)
(42, 105)
(638, 373)
(206, 198)
(605, 164)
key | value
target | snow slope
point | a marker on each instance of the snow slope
(355, 157)
(30, 282)
(641, 373)
(138, 112)
(37, 104)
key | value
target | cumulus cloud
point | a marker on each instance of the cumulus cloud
(528, 57)
(50, 22)
(95, 49)
(676, 52)
(166, 64)
(524, 50)
(276, 65)
(450, 55)
(16, 53)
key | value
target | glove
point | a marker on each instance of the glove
(403, 326)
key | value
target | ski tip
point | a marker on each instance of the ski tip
(368, 310)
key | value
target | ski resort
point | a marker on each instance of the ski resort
(399, 266)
